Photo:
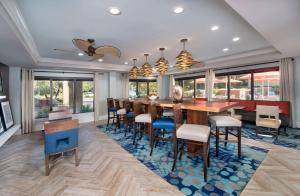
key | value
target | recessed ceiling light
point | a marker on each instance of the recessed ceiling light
(126, 63)
(178, 10)
(225, 49)
(235, 39)
(214, 28)
(100, 60)
(114, 11)
(80, 54)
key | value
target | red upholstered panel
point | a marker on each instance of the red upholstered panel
(249, 105)
(284, 106)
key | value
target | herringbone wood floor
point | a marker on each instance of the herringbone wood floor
(107, 169)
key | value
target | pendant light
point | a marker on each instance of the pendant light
(134, 71)
(162, 65)
(146, 68)
(184, 59)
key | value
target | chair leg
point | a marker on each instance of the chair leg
(141, 129)
(47, 169)
(205, 155)
(239, 142)
(226, 136)
(108, 118)
(76, 156)
(208, 154)
(181, 151)
(256, 131)
(152, 139)
(134, 132)
(217, 141)
(175, 154)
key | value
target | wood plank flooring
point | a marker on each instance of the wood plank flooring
(107, 169)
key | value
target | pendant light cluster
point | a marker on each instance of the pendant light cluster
(184, 59)
(162, 65)
(183, 62)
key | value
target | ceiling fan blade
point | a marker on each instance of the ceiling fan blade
(111, 50)
(82, 44)
(64, 50)
(96, 57)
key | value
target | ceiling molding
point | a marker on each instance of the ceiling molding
(12, 15)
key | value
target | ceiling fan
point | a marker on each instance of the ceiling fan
(88, 47)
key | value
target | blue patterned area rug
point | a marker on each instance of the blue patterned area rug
(291, 140)
(227, 175)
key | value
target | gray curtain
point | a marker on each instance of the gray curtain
(125, 83)
(287, 90)
(27, 101)
(209, 84)
(171, 85)
(97, 89)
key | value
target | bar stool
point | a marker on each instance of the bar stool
(161, 126)
(111, 110)
(121, 112)
(129, 117)
(191, 134)
(167, 112)
(226, 122)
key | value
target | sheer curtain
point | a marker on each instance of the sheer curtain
(125, 83)
(287, 90)
(27, 101)
(209, 84)
(171, 85)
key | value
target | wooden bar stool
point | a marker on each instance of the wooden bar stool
(121, 112)
(191, 134)
(228, 123)
(111, 111)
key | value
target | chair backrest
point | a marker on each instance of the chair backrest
(177, 114)
(117, 103)
(152, 109)
(267, 111)
(127, 105)
(137, 107)
(110, 102)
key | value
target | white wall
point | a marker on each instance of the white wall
(15, 93)
(297, 90)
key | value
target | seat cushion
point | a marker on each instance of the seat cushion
(145, 118)
(199, 133)
(130, 115)
(237, 116)
(164, 123)
(168, 113)
(268, 122)
(121, 111)
(225, 121)
(112, 109)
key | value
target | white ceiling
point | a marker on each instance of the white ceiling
(143, 27)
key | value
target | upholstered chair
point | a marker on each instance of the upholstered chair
(121, 112)
(268, 117)
(111, 111)
(191, 134)
(231, 125)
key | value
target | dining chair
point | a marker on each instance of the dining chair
(111, 111)
(192, 134)
(230, 124)
(160, 127)
(268, 117)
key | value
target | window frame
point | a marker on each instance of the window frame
(228, 74)
(73, 80)
(142, 80)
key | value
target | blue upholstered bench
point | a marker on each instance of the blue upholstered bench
(59, 137)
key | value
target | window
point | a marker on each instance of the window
(200, 87)
(240, 86)
(142, 88)
(188, 88)
(220, 90)
(266, 85)
(77, 94)
(41, 98)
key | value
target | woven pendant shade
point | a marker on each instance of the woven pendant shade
(184, 59)
(146, 68)
(134, 71)
(162, 65)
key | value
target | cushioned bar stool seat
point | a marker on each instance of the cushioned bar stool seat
(164, 123)
(121, 111)
(143, 118)
(168, 113)
(193, 132)
(227, 122)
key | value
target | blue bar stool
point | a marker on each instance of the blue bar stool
(111, 111)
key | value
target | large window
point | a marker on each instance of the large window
(76, 94)
(142, 88)
(266, 85)
(240, 86)
(220, 90)
(260, 84)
